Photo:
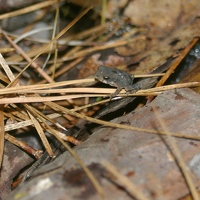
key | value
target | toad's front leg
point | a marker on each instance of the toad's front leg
(117, 91)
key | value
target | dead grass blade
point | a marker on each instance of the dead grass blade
(108, 91)
(22, 89)
(177, 154)
(16, 113)
(26, 57)
(43, 118)
(24, 146)
(172, 86)
(124, 182)
(67, 138)
(102, 91)
(55, 26)
(42, 99)
(6, 68)
(2, 136)
(41, 88)
(35, 122)
(28, 9)
(22, 124)
(87, 51)
(95, 32)
(18, 125)
(109, 124)
(40, 131)
(52, 41)
(31, 53)
(3, 77)
(27, 122)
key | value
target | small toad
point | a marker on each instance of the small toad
(115, 77)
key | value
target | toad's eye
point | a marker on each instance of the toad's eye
(106, 77)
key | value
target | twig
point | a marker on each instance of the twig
(177, 62)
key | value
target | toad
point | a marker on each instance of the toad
(115, 77)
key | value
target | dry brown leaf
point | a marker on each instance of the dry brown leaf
(154, 14)
(143, 158)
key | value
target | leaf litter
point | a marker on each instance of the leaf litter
(138, 37)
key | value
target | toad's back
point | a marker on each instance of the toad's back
(115, 77)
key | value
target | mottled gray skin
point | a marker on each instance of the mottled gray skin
(115, 77)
